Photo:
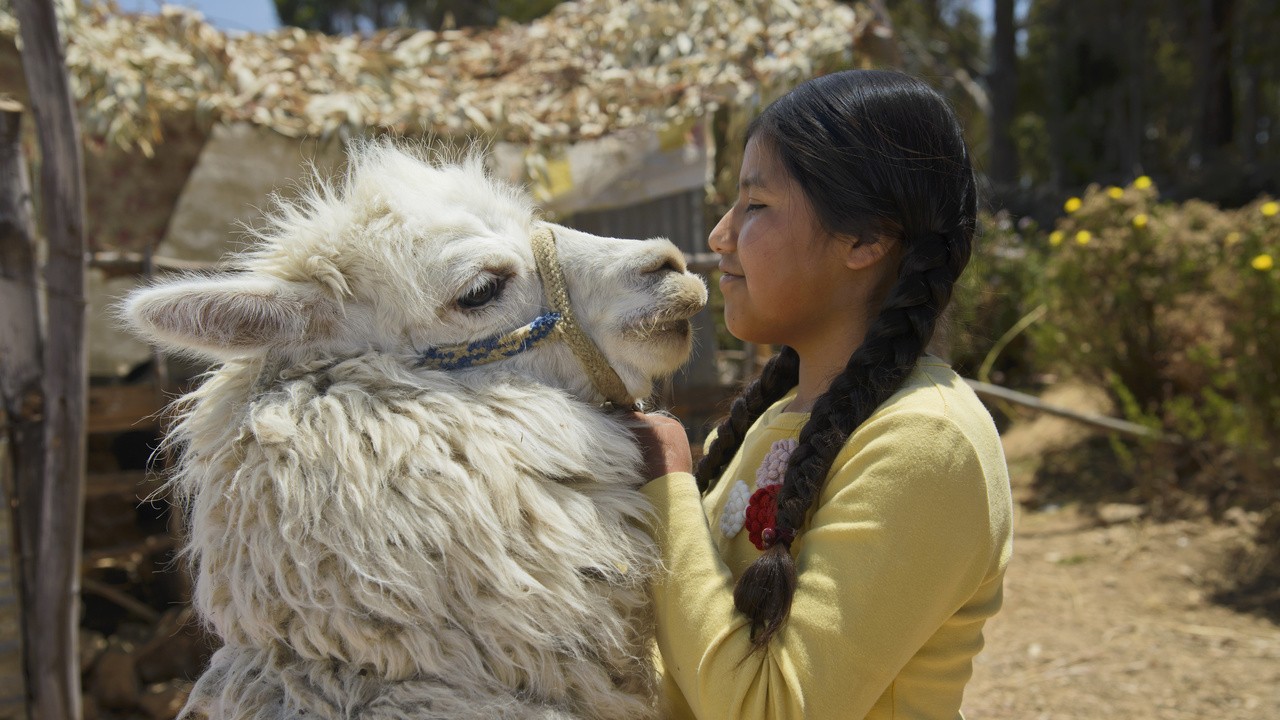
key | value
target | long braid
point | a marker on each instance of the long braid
(779, 375)
(876, 370)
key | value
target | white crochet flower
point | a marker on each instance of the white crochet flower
(735, 509)
(774, 466)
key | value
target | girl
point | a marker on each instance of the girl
(845, 536)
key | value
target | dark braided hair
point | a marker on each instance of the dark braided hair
(880, 156)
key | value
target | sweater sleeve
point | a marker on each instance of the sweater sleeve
(901, 539)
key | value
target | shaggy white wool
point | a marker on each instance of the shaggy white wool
(377, 540)
(418, 527)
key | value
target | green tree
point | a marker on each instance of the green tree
(1187, 91)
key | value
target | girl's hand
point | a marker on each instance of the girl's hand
(663, 444)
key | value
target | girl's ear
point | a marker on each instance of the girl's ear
(230, 317)
(860, 254)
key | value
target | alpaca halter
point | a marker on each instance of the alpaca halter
(558, 324)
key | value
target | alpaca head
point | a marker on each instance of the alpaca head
(409, 254)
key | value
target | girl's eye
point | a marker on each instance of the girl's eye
(753, 206)
(482, 294)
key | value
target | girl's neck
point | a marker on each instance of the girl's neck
(812, 385)
(819, 366)
(825, 350)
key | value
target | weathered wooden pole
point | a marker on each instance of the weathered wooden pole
(21, 398)
(53, 604)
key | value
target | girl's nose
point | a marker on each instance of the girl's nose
(721, 238)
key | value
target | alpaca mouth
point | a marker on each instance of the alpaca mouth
(668, 320)
(658, 329)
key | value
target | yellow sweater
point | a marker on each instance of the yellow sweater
(900, 565)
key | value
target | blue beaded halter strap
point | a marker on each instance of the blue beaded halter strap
(559, 324)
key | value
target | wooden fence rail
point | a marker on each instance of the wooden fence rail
(1110, 424)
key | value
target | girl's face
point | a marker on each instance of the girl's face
(785, 280)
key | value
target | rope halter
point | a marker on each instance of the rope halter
(560, 324)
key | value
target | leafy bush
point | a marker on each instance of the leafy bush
(1241, 398)
(1118, 263)
(992, 296)
(1175, 309)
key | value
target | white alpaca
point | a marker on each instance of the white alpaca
(376, 537)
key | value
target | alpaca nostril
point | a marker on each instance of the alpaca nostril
(666, 262)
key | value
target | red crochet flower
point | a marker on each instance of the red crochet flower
(762, 511)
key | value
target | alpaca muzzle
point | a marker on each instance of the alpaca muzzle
(558, 324)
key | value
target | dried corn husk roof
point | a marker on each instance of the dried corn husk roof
(587, 69)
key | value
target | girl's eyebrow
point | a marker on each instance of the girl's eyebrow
(752, 181)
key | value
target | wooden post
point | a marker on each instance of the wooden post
(21, 397)
(53, 605)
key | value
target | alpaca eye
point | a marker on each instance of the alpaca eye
(482, 294)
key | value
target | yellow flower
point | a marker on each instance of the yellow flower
(1269, 209)
(1263, 262)
(1142, 183)
(1071, 205)
(1231, 239)
(1140, 220)
(1115, 193)
(1083, 237)
(1055, 237)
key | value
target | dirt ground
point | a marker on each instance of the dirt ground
(1109, 614)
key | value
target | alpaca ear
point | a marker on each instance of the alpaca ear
(230, 317)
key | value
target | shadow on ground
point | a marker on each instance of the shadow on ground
(1089, 473)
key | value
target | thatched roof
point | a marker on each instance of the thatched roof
(585, 70)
